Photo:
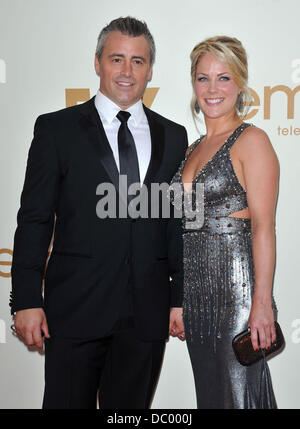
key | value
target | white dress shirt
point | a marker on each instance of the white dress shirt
(137, 124)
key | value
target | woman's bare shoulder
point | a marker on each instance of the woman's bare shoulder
(254, 133)
(254, 141)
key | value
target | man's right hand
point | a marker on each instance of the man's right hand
(29, 326)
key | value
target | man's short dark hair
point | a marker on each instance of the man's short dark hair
(130, 27)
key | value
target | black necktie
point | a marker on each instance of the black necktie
(129, 165)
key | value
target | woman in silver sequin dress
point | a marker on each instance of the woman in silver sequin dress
(228, 258)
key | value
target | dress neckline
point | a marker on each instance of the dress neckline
(213, 156)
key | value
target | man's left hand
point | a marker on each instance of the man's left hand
(176, 327)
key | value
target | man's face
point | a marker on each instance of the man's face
(124, 68)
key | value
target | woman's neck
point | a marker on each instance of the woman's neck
(222, 125)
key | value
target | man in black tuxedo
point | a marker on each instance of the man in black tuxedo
(110, 282)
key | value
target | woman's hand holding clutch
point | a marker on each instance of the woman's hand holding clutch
(261, 323)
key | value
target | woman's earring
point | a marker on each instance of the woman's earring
(197, 107)
(240, 102)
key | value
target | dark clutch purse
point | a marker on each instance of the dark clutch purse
(244, 351)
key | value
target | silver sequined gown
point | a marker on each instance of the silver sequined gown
(218, 287)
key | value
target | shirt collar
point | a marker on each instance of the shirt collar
(108, 110)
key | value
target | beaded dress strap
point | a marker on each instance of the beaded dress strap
(193, 147)
(234, 136)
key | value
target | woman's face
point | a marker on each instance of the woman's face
(215, 88)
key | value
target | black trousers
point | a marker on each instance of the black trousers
(121, 368)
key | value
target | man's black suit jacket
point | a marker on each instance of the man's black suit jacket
(93, 259)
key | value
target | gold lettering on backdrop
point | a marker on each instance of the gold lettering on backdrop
(290, 131)
(149, 96)
(76, 95)
(5, 263)
(80, 95)
(290, 93)
(254, 103)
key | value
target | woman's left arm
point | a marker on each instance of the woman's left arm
(261, 172)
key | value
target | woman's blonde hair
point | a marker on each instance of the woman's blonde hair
(231, 52)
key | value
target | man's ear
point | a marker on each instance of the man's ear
(97, 65)
(149, 77)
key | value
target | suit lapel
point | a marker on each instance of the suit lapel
(157, 133)
(92, 124)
